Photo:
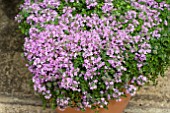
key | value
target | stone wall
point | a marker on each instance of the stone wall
(14, 75)
(16, 95)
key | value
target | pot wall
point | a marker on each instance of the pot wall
(114, 107)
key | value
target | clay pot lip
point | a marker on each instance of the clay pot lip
(111, 101)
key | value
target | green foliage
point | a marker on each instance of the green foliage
(159, 60)
(156, 62)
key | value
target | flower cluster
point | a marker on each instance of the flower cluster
(84, 58)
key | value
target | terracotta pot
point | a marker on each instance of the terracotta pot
(114, 107)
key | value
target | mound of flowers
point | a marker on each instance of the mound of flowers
(83, 53)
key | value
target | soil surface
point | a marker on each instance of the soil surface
(16, 95)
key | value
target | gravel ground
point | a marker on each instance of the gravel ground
(8, 108)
